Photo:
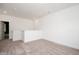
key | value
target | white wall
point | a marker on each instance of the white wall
(62, 27)
(17, 25)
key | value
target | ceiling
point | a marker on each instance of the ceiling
(32, 10)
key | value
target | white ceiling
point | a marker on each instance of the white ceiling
(32, 10)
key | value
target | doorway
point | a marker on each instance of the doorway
(4, 30)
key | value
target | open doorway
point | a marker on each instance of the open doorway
(4, 30)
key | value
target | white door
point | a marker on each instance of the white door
(1, 30)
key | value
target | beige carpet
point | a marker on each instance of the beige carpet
(38, 47)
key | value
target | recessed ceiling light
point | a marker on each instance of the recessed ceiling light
(14, 8)
(5, 12)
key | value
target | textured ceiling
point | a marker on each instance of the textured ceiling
(32, 10)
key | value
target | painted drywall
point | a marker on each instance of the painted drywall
(17, 25)
(62, 27)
